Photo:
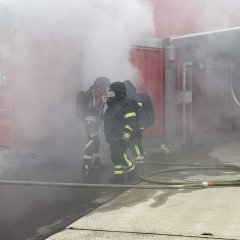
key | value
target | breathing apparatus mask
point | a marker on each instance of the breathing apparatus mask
(116, 91)
(111, 93)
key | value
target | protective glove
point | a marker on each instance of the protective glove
(125, 136)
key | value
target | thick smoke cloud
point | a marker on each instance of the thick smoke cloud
(63, 46)
(105, 29)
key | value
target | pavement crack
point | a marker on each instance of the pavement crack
(151, 233)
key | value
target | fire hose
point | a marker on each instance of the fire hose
(152, 177)
(89, 185)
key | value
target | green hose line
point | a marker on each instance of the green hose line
(154, 176)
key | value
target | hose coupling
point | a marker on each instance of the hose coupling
(207, 184)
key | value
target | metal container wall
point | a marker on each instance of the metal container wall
(178, 17)
(44, 93)
(38, 85)
(150, 64)
(211, 108)
(181, 17)
(222, 14)
(6, 76)
(172, 17)
(203, 68)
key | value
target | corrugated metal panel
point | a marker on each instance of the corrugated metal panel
(150, 65)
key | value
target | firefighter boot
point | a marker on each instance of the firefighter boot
(131, 175)
(119, 175)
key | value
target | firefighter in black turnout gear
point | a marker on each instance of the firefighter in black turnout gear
(89, 107)
(120, 122)
(145, 117)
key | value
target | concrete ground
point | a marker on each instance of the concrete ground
(212, 213)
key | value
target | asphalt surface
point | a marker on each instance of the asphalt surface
(192, 213)
(34, 213)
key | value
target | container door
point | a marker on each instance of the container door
(178, 95)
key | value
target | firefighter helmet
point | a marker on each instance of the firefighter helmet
(119, 88)
(102, 82)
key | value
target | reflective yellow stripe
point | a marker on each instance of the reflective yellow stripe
(128, 127)
(130, 168)
(137, 151)
(118, 172)
(132, 114)
(140, 104)
(87, 157)
(95, 155)
(94, 134)
(130, 164)
(127, 160)
(88, 144)
(89, 119)
(118, 169)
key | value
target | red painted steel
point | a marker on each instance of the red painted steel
(40, 86)
(149, 62)
(181, 17)
(178, 17)
(223, 14)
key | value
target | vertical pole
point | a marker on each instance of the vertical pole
(190, 86)
(184, 102)
(170, 92)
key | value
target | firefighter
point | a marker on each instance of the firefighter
(145, 116)
(135, 143)
(89, 106)
(120, 122)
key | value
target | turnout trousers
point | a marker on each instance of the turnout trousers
(91, 155)
(122, 164)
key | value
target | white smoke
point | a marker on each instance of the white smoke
(62, 46)
(105, 29)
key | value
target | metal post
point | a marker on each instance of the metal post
(184, 102)
(170, 92)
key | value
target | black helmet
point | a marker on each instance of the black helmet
(119, 88)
